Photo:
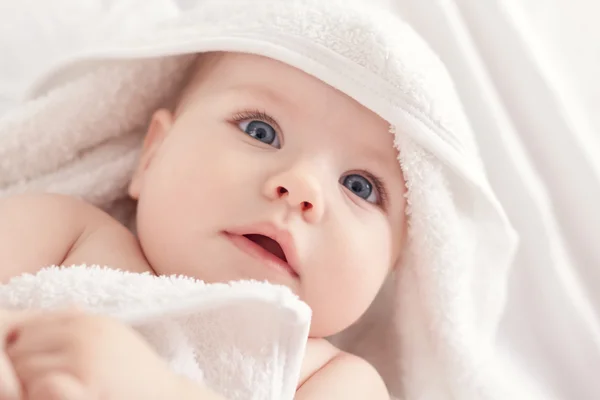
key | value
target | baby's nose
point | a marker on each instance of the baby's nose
(300, 190)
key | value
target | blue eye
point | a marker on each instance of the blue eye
(261, 131)
(360, 186)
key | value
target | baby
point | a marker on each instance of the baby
(260, 171)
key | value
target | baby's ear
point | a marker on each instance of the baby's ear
(160, 125)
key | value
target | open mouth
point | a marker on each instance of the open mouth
(270, 245)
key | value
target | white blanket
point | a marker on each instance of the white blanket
(245, 340)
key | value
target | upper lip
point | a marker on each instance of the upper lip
(281, 236)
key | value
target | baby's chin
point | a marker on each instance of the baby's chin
(334, 315)
(323, 326)
(324, 330)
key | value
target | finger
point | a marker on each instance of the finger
(47, 339)
(58, 386)
(9, 320)
(31, 369)
(41, 333)
(11, 326)
(10, 387)
(31, 319)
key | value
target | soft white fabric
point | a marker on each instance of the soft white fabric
(246, 340)
(526, 72)
(440, 311)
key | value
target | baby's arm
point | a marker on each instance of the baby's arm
(342, 376)
(39, 230)
(36, 231)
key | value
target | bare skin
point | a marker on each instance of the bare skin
(253, 145)
(75, 232)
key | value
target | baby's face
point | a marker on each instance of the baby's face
(267, 173)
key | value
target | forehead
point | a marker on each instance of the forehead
(279, 85)
(254, 74)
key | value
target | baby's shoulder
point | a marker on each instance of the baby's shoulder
(43, 203)
(52, 208)
(57, 213)
(332, 373)
(48, 223)
(318, 353)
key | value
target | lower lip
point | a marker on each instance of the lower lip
(260, 254)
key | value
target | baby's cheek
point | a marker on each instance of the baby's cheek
(363, 265)
(193, 179)
(366, 266)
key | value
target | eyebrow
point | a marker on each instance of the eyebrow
(372, 153)
(272, 96)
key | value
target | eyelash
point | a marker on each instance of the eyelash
(256, 115)
(380, 187)
(264, 117)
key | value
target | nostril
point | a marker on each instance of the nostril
(281, 190)
(306, 206)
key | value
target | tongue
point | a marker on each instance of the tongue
(268, 244)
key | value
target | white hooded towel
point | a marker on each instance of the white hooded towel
(431, 331)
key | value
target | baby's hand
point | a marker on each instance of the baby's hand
(9, 384)
(75, 356)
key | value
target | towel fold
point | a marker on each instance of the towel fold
(245, 340)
